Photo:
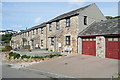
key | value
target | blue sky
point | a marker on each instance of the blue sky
(22, 15)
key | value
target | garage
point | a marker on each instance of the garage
(106, 41)
(112, 48)
(89, 46)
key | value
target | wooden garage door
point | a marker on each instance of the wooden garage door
(112, 48)
(89, 46)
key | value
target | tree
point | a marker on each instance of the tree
(6, 38)
(110, 17)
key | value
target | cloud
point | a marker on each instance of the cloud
(38, 20)
(76, 2)
(16, 26)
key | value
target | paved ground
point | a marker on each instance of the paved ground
(80, 66)
(8, 72)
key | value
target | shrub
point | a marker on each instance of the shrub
(25, 56)
(58, 54)
(7, 48)
(15, 55)
(37, 57)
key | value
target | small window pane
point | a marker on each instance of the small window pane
(52, 41)
(42, 30)
(57, 25)
(85, 20)
(91, 40)
(41, 42)
(50, 27)
(86, 39)
(67, 22)
(67, 40)
(115, 39)
(94, 39)
(109, 39)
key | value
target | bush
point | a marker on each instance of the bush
(15, 55)
(52, 55)
(25, 56)
(7, 48)
(58, 54)
(38, 57)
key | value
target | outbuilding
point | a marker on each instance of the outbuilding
(101, 39)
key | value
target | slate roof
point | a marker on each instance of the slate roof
(106, 27)
(35, 27)
(69, 14)
(65, 15)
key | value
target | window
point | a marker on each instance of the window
(33, 32)
(52, 41)
(42, 30)
(50, 27)
(67, 40)
(115, 39)
(109, 39)
(41, 42)
(57, 25)
(36, 31)
(25, 34)
(28, 33)
(85, 20)
(67, 22)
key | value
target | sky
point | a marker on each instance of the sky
(21, 15)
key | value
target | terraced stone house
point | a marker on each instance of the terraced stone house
(59, 34)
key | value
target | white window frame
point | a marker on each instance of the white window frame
(52, 40)
(42, 42)
(50, 26)
(68, 22)
(68, 40)
(42, 30)
(57, 25)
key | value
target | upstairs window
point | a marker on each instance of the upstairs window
(28, 33)
(67, 40)
(52, 41)
(33, 32)
(41, 42)
(36, 31)
(85, 20)
(50, 27)
(57, 25)
(25, 34)
(42, 30)
(67, 22)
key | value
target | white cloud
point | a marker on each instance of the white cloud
(76, 2)
(16, 26)
(38, 20)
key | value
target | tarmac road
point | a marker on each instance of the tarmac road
(8, 72)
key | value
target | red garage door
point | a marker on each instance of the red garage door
(89, 46)
(112, 48)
